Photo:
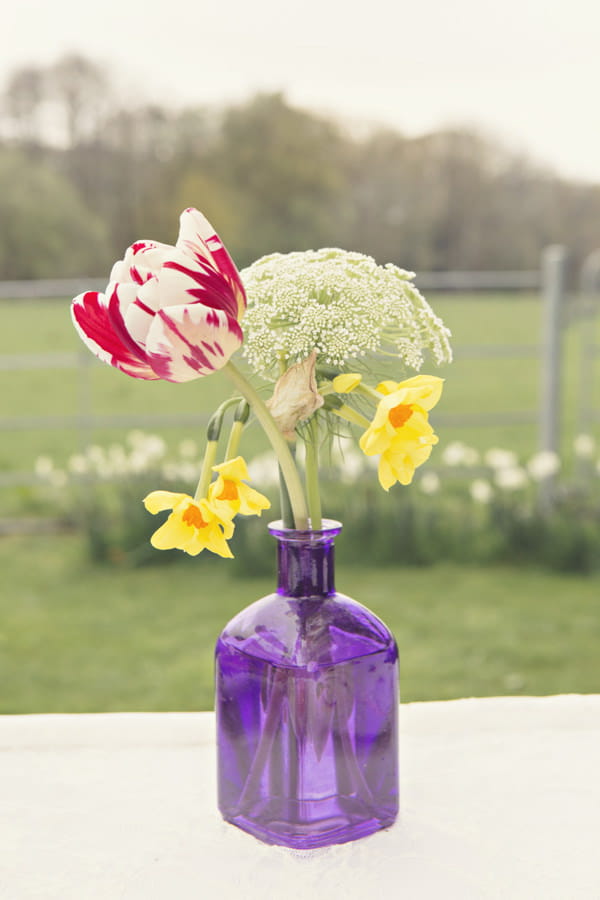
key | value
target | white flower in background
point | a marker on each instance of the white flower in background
(180, 471)
(117, 459)
(496, 458)
(511, 478)
(543, 465)
(352, 467)
(138, 462)
(147, 451)
(481, 490)
(189, 471)
(263, 469)
(58, 478)
(429, 483)
(188, 449)
(78, 464)
(584, 446)
(458, 454)
(345, 458)
(43, 466)
(95, 455)
(154, 446)
(135, 437)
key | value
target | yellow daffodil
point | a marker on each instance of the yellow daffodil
(400, 431)
(344, 384)
(193, 526)
(229, 495)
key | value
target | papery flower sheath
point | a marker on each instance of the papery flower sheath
(295, 397)
(169, 312)
(400, 431)
(230, 495)
(193, 526)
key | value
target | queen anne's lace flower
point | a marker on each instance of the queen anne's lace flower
(341, 303)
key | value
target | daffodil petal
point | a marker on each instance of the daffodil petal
(252, 502)
(233, 469)
(423, 390)
(348, 381)
(158, 501)
(387, 387)
(385, 474)
(174, 533)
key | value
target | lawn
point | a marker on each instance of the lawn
(79, 638)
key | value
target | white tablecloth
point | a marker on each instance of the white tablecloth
(500, 798)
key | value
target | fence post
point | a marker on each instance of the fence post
(589, 287)
(553, 294)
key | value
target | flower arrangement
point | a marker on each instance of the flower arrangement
(318, 328)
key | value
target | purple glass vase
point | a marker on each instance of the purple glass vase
(307, 707)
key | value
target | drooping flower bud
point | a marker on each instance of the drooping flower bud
(296, 396)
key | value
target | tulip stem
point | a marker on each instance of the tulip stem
(278, 442)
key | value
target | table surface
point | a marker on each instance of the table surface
(500, 798)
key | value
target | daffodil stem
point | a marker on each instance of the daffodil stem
(368, 391)
(234, 440)
(278, 442)
(312, 475)
(287, 514)
(351, 415)
(210, 455)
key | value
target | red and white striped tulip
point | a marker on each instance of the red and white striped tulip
(169, 313)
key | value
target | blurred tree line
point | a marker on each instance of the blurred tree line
(82, 177)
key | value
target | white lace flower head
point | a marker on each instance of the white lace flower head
(339, 302)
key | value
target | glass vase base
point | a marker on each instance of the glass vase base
(340, 832)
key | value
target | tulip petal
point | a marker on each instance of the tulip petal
(191, 340)
(200, 282)
(198, 239)
(99, 322)
(139, 314)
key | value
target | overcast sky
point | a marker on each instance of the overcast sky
(527, 71)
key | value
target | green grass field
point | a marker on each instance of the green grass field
(77, 638)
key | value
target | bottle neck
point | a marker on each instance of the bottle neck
(306, 561)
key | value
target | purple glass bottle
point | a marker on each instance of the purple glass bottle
(307, 707)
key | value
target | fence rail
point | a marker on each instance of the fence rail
(524, 280)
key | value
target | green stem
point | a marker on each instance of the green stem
(312, 475)
(234, 440)
(369, 392)
(210, 455)
(351, 415)
(278, 442)
(287, 514)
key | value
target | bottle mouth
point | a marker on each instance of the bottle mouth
(328, 530)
